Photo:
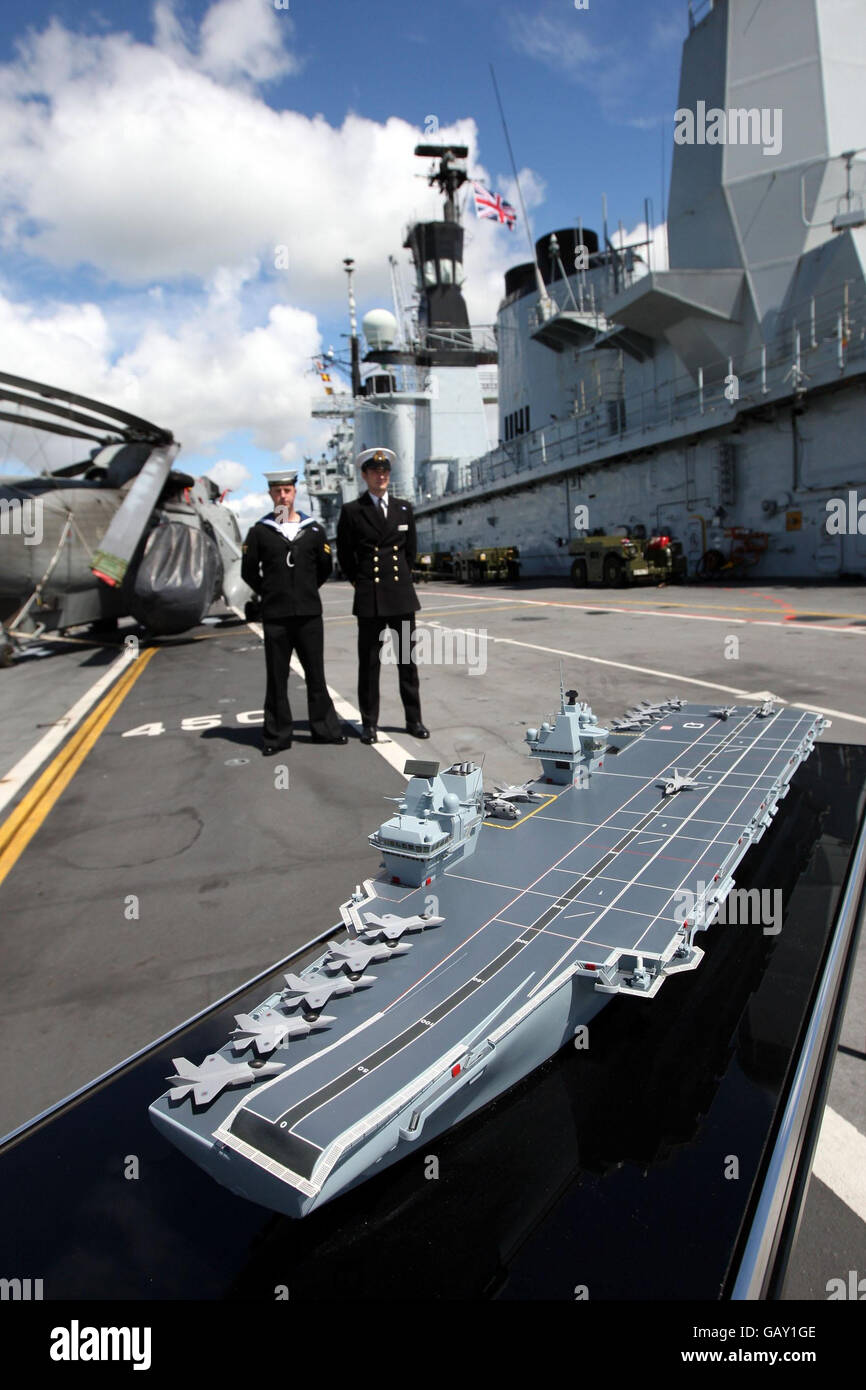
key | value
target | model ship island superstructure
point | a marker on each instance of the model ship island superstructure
(520, 933)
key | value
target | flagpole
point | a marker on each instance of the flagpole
(544, 300)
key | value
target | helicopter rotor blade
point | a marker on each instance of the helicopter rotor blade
(111, 560)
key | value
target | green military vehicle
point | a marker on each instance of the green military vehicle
(630, 558)
(490, 563)
(436, 564)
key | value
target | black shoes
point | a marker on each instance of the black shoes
(370, 734)
(269, 749)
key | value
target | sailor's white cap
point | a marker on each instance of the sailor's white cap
(282, 475)
(376, 455)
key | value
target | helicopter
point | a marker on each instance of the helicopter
(121, 533)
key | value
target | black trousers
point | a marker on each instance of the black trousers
(306, 636)
(369, 652)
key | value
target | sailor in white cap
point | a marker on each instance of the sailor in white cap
(376, 546)
(286, 560)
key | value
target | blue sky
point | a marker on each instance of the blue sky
(155, 157)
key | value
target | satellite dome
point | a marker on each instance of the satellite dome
(531, 735)
(379, 328)
(451, 802)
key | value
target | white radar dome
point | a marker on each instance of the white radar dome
(451, 802)
(379, 328)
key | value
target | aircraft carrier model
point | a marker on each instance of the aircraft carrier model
(481, 947)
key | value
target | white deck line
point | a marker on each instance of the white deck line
(749, 695)
(840, 1161)
(18, 776)
(395, 754)
(786, 623)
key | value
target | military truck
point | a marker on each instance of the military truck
(436, 564)
(630, 558)
(491, 563)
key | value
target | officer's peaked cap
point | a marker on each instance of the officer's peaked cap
(383, 456)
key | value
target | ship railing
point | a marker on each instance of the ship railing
(824, 333)
(478, 338)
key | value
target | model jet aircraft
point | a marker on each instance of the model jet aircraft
(119, 533)
(678, 783)
(516, 793)
(353, 957)
(205, 1082)
(272, 1029)
(724, 711)
(314, 991)
(390, 926)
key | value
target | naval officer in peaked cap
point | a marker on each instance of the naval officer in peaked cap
(286, 560)
(376, 547)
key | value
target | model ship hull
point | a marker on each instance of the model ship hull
(550, 916)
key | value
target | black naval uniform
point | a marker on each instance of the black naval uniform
(287, 575)
(377, 554)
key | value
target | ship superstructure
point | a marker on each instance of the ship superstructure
(424, 383)
(480, 958)
(720, 400)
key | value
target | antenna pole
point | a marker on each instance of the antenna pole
(349, 267)
(544, 299)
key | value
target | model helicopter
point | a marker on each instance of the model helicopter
(119, 533)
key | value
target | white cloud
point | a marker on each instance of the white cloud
(161, 168)
(657, 254)
(239, 41)
(226, 473)
(206, 378)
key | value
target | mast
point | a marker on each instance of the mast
(349, 267)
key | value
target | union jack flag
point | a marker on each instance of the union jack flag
(493, 205)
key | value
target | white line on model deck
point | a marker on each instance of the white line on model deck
(32, 761)
(663, 675)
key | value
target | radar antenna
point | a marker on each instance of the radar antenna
(448, 177)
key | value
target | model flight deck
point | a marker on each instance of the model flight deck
(482, 945)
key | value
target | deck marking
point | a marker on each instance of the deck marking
(840, 1161)
(18, 829)
(694, 617)
(24, 769)
(394, 753)
(749, 695)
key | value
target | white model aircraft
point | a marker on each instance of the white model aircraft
(678, 783)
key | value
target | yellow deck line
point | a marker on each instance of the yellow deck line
(18, 829)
